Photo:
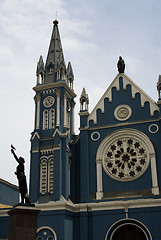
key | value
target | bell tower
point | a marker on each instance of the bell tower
(54, 125)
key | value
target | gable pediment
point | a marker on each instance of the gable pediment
(134, 90)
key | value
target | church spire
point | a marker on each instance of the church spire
(55, 68)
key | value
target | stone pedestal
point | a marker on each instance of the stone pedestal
(23, 223)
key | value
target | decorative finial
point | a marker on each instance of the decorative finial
(121, 65)
(56, 21)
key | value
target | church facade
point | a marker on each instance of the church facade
(103, 183)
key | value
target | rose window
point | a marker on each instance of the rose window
(125, 159)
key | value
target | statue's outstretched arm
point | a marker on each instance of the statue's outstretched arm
(15, 156)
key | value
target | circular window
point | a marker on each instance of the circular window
(122, 112)
(125, 154)
(95, 136)
(153, 128)
(46, 233)
(126, 159)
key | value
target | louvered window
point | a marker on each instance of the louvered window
(51, 118)
(45, 119)
(50, 175)
(43, 177)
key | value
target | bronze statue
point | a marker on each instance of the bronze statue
(20, 173)
(121, 65)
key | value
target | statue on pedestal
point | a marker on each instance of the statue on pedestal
(20, 173)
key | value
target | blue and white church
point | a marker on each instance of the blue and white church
(103, 183)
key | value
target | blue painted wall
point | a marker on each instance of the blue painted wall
(9, 193)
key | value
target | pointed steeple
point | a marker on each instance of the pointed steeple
(84, 101)
(40, 71)
(55, 68)
(70, 75)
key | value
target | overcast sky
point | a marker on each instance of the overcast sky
(94, 34)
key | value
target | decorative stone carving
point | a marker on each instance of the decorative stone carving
(122, 112)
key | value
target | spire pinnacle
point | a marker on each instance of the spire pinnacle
(55, 68)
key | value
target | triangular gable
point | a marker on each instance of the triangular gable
(134, 88)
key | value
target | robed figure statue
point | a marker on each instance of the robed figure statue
(121, 65)
(20, 173)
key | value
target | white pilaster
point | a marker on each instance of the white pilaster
(65, 110)
(58, 108)
(155, 188)
(38, 111)
(73, 107)
(99, 193)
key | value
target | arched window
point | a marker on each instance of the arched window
(43, 177)
(51, 118)
(45, 119)
(125, 155)
(50, 70)
(126, 229)
(50, 175)
(61, 73)
(70, 80)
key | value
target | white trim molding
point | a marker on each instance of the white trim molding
(38, 97)
(150, 158)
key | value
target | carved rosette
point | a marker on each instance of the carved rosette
(122, 112)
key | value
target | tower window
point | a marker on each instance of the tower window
(62, 73)
(51, 118)
(50, 175)
(45, 119)
(48, 119)
(43, 177)
(50, 70)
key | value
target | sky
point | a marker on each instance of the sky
(94, 33)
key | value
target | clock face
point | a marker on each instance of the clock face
(125, 159)
(48, 101)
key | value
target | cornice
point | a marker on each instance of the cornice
(99, 206)
(53, 85)
(119, 124)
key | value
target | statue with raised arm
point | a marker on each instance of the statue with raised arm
(121, 65)
(20, 173)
